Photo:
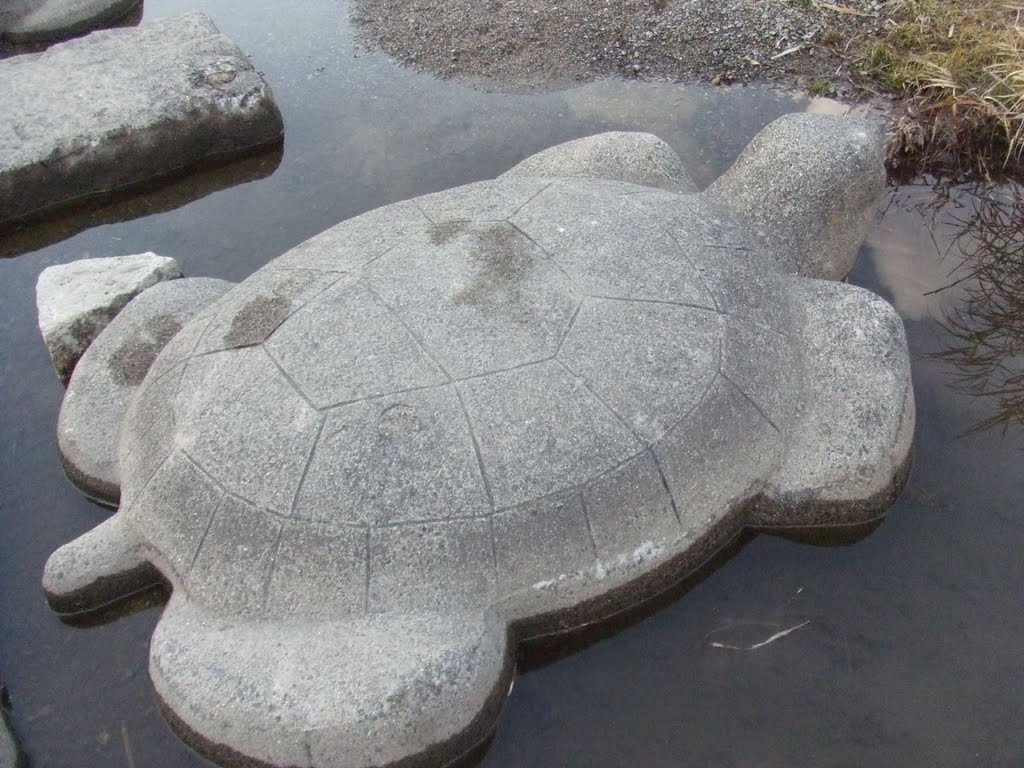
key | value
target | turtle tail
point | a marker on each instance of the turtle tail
(100, 567)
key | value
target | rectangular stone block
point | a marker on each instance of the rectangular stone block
(119, 107)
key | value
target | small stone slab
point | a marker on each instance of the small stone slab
(639, 158)
(124, 106)
(76, 300)
(110, 371)
(41, 21)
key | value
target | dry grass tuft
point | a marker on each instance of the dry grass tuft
(960, 66)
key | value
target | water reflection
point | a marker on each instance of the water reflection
(987, 327)
(14, 10)
(159, 196)
(955, 254)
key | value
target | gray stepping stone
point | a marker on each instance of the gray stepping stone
(42, 21)
(505, 410)
(639, 158)
(187, 92)
(110, 372)
(77, 300)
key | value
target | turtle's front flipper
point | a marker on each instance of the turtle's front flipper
(850, 444)
(97, 568)
(111, 371)
(367, 690)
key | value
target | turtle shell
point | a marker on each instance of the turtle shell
(504, 394)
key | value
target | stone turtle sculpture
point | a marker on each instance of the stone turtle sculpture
(487, 414)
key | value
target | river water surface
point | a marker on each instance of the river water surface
(909, 651)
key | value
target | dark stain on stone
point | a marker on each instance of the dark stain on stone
(501, 257)
(130, 362)
(398, 421)
(446, 231)
(259, 318)
(163, 328)
(263, 314)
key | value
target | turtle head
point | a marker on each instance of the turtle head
(808, 185)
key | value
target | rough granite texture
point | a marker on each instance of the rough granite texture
(124, 106)
(41, 21)
(503, 410)
(10, 754)
(639, 158)
(77, 300)
(110, 372)
(786, 185)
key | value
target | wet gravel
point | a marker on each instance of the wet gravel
(538, 43)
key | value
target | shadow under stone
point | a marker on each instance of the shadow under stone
(139, 200)
(16, 40)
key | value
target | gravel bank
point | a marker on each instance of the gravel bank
(545, 43)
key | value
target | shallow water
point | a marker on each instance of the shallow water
(911, 650)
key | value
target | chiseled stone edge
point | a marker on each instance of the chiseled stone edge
(95, 597)
(146, 198)
(111, 550)
(98, 489)
(443, 753)
(833, 515)
(822, 514)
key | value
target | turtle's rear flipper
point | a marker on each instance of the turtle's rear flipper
(110, 371)
(368, 690)
(100, 567)
(850, 447)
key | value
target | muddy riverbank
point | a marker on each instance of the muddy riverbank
(542, 44)
(951, 73)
